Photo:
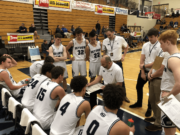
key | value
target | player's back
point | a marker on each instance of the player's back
(99, 122)
(35, 68)
(31, 89)
(66, 117)
(44, 106)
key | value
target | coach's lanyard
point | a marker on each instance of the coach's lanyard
(150, 50)
(160, 53)
(112, 44)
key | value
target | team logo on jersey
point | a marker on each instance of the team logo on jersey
(103, 114)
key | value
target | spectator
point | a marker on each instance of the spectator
(176, 24)
(73, 30)
(165, 27)
(173, 15)
(171, 23)
(58, 30)
(65, 31)
(124, 28)
(94, 29)
(177, 14)
(103, 31)
(45, 48)
(22, 28)
(98, 28)
(51, 42)
(163, 22)
(158, 21)
(107, 27)
(32, 29)
(161, 28)
(97, 39)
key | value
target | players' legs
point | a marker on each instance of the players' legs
(65, 84)
(82, 68)
(170, 131)
(75, 68)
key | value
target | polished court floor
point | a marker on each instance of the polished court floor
(131, 71)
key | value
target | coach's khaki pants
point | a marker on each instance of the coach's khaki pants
(154, 98)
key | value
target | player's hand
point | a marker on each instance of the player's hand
(141, 66)
(122, 59)
(89, 84)
(143, 76)
(47, 50)
(102, 87)
(25, 84)
(72, 59)
(6, 55)
(164, 94)
(149, 77)
(132, 129)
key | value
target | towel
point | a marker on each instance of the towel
(12, 106)
(26, 119)
(3, 91)
(36, 130)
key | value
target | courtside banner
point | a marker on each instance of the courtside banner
(121, 11)
(20, 37)
(104, 10)
(62, 5)
(21, 1)
(80, 5)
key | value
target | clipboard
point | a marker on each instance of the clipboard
(157, 62)
(170, 106)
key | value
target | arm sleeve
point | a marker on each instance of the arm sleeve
(103, 46)
(124, 43)
(143, 50)
(100, 71)
(119, 75)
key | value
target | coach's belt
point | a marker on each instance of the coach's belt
(158, 78)
(117, 61)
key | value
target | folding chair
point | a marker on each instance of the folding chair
(36, 129)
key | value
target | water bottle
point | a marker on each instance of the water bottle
(130, 122)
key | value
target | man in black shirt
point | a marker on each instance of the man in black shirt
(22, 28)
(98, 27)
(58, 30)
(32, 29)
(45, 48)
(51, 42)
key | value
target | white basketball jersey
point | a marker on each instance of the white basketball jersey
(35, 65)
(79, 50)
(44, 106)
(31, 89)
(99, 122)
(66, 117)
(13, 92)
(95, 52)
(167, 82)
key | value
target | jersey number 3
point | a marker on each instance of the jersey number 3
(64, 107)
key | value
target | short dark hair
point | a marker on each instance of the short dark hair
(58, 35)
(78, 31)
(47, 68)
(48, 59)
(45, 41)
(78, 83)
(110, 29)
(113, 96)
(92, 34)
(57, 71)
(3, 59)
(152, 32)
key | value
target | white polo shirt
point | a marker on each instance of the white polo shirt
(115, 47)
(150, 51)
(112, 75)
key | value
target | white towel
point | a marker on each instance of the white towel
(12, 106)
(36, 130)
(3, 91)
(26, 119)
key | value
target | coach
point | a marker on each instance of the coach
(110, 72)
(112, 46)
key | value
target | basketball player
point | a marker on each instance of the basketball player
(35, 68)
(78, 60)
(93, 54)
(171, 75)
(33, 86)
(103, 120)
(58, 52)
(71, 108)
(48, 98)
(6, 78)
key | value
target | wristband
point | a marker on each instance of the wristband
(144, 67)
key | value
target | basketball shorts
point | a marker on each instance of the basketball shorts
(94, 68)
(79, 67)
(165, 121)
(78, 130)
(62, 64)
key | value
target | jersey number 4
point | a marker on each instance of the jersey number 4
(41, 94)
(64, 107)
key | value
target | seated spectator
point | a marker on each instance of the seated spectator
(22, 28)
(165, 27)
(124, 28)
(65, 31)
(158, 21)
(51, 42)
(32, 29)
(103, 119)
(67, 122)
(161, 28)
(58, 30)
(176, 24)
(171, 24)
(45, 48)
(73, 30)
(163, 22)
(48, 97)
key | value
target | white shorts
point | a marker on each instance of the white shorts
(94, 68)
(78, 130)
(79, 67)
(62, 64)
